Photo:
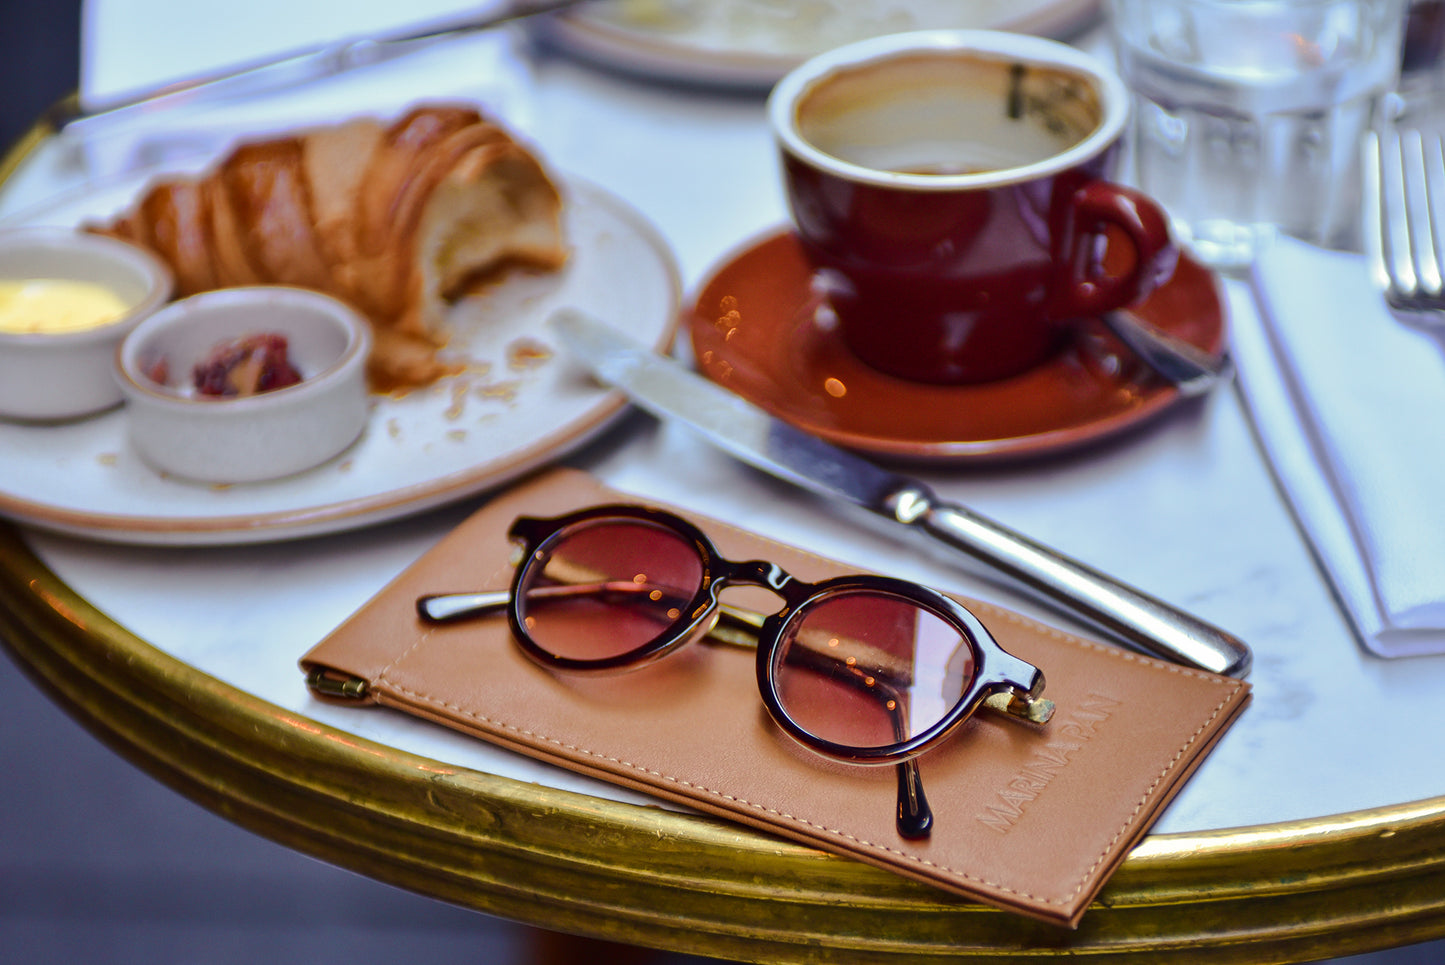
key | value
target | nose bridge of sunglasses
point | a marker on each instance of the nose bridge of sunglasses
(755, 586)
(759, 573)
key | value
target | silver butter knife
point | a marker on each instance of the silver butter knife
(289, 70)
(669, 390)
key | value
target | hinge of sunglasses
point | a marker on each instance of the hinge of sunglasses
(1035, 710)
(330, 683)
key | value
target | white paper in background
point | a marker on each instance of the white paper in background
(1350, 405)
(131, 46)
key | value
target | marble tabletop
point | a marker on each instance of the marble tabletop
(1183, 507)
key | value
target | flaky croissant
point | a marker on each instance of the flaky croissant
(395, 219)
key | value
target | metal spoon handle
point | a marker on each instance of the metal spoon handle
(1188, 368)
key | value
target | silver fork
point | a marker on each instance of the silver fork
(1404, 218)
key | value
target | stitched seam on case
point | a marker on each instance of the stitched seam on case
(783, 815)
(382, 674)
(425, 636)
(1114, 652)
(1149, 791)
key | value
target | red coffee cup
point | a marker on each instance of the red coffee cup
(951, 189)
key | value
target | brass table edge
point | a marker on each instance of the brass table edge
(1288, 892)
(46, 126)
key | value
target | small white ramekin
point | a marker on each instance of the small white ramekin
(65, 375)
(246, 438)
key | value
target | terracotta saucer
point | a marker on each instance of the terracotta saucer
(760, 327)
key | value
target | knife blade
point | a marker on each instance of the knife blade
(289, 70)
(669, 390)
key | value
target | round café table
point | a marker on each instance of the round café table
(1316, 828)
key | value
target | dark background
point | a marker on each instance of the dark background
(39, 60)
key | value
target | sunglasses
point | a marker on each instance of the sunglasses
(860, 669)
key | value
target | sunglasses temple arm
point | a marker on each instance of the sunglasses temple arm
(914, 816)
(735, 627)
(450, 607)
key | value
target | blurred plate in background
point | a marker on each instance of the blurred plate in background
(752, 43)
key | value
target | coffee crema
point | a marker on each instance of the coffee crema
(948, 113)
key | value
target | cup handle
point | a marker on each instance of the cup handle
(1097, 206)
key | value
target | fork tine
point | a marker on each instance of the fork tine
(1394, 201)
(1404, 217)
(1417, 177)
(1374, 215)
(1404, 182)
(1433, 160)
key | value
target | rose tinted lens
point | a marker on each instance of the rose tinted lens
(607, 588)
(869, 670)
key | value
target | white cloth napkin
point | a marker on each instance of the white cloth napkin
(1350, 405)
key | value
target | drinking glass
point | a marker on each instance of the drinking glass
(1249, 114)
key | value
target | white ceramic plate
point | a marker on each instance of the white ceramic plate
(521, 404)
(752, 43)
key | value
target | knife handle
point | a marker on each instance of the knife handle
(1147, 622)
